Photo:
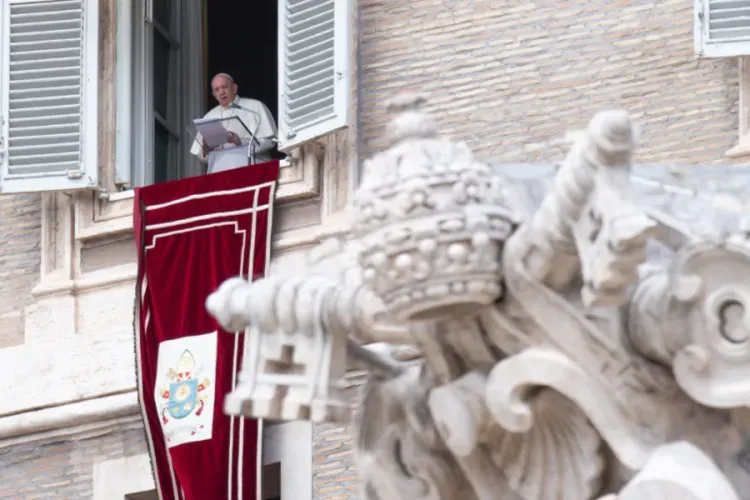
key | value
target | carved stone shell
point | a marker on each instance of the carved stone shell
(558, 458)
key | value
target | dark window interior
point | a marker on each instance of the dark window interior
(242, 41)
(144, 495)
(271, 481)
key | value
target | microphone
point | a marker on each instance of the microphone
(253, 139)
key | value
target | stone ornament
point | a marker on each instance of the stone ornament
(677, 471)
(705, 293)
(431, 223)
(583, 333)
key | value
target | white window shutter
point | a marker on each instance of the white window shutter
(722, 28)
(314, 69)
(48, 95)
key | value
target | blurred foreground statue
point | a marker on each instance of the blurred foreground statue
(584, 328)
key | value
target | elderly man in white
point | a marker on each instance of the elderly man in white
(253, 113)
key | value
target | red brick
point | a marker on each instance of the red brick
(20, 256)
(60, 470)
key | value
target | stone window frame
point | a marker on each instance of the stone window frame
(322, 172)
(116, 478)
(121, 478)
(742, 149)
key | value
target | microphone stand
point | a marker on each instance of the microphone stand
(253, 139)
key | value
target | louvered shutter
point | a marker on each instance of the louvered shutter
(314, 69)
(722, 28)
(48, 95)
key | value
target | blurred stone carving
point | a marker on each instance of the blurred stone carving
(578, 331)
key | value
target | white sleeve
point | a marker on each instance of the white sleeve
(267, 126)
(197, 148)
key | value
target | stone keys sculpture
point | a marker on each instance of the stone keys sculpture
(548, 358)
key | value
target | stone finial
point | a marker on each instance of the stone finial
(613, 131)
(411, 122)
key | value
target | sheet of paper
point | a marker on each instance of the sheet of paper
(212, 131)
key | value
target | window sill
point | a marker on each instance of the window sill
(97, 218)
(121, 195)
(52, 286)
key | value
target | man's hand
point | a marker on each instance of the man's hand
(234, 139)
(206, 149)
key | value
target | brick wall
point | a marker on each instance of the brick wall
(62, 469)
(20, 235)
(335, 475)
(512, 77)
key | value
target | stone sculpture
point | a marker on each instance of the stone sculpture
(593, 345)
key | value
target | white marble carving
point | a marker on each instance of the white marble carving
(584, 329)
(703, 297)
(678, 471)
(431, 223)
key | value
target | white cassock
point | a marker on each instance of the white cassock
(266, 128)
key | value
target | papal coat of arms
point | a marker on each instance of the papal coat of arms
(184, 388)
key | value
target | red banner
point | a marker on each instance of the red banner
(192, 235)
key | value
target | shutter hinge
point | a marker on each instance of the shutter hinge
(291, 134)
(74, 174)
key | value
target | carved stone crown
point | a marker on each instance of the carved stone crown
(431, 221)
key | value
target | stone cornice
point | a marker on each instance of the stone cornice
(69, 419)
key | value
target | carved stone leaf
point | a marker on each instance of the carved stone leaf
(400, 456)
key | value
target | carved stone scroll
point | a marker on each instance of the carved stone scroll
(678, 471)
(588, 223)
(695, 317)
(509, 396)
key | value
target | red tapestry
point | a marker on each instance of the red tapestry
(192, 235)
